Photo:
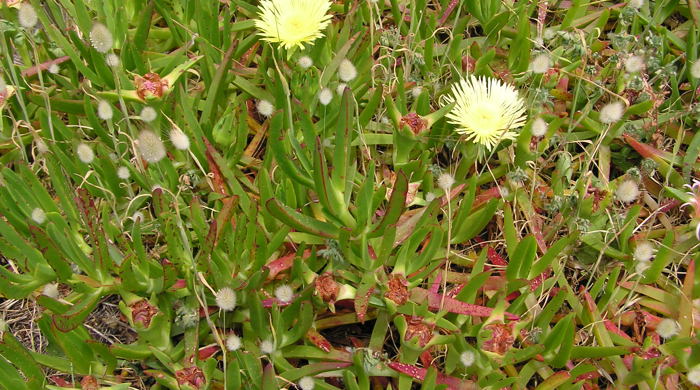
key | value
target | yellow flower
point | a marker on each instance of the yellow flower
(486, 110)
(293, 22)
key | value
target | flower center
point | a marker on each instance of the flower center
(484, 118)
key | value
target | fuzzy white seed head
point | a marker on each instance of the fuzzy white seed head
(668, 328)
(627, 191)
(695, 69)
(27, 15)
(644, 251)
(305, 62)
(467, 358)
(265, 108)
(138, 216)
(267, 347)
(85, 153)
(112, 60)
(445, 181)
(612, 112)
(694, 375)
(150, 146)
(54, 68)
(307, 383)
(226, 299)
(50, 290)
(104, 110)
(123, 173)
(636, 4)
(346, 70)
(429, 197)
(341, 89)
(416, 91)
(233, 342)
(634, 64)
(41, 146)
(641, 266)
(179, 139)
(101, 38)
(38, 216)
(148, 114)
(539, 127)
(325, 96)
(284, 293)
(541, 63)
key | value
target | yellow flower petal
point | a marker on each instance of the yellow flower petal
(293, 23)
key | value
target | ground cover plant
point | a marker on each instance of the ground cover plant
(351, 194)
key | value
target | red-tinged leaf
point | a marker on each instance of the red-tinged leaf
(362, 299)
(455, 291)
(611, 327)
(485, 196)
(537, 281)
(435, 287)
(426, 358)
(271, 301)
(283, 263)
(644, 150)
(193, 376)
(58, 381)
(318, 340)
(207, 352)
(495, 258)
(452, 305)
(210, 310)
(418, 373)
(179, 284)
(554, 381)
(217, 177)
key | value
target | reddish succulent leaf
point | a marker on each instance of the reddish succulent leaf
(442, 379)
(485, 196)
(452, 305)
(495, 258)
(58, 381)
(318, 340)
(362, 301)
(537, 280)
(611, 327)
(207, 352)
(218, 177)
(271, 301)
(644, 150)
(284, 263)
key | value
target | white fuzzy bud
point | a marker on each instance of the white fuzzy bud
(634, 64)
(305, 62)
(644, 251)
(265, 108)
(267, 347)
(123, 173)
(445, 181)
(416, 91)
(138, 217)
(54, 68)
(325, 96)
(284, 293)
(101, 38)
(104, 110)
(627, 191)
(346, 70)
(641, 266)
(694, 375)
(179, 139)
(38, 216)
(668, 328)
(307, 383)
(50, 290)
(226, 299)
(467, 358)
(112, 60)
(612, 112)
(541, 63)
(85, 153)
(539, 127)
(636, 4)
(27, 15)
(41, 146)
(233, 343)
(148, 114)
(150, 146)
(695, 69)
